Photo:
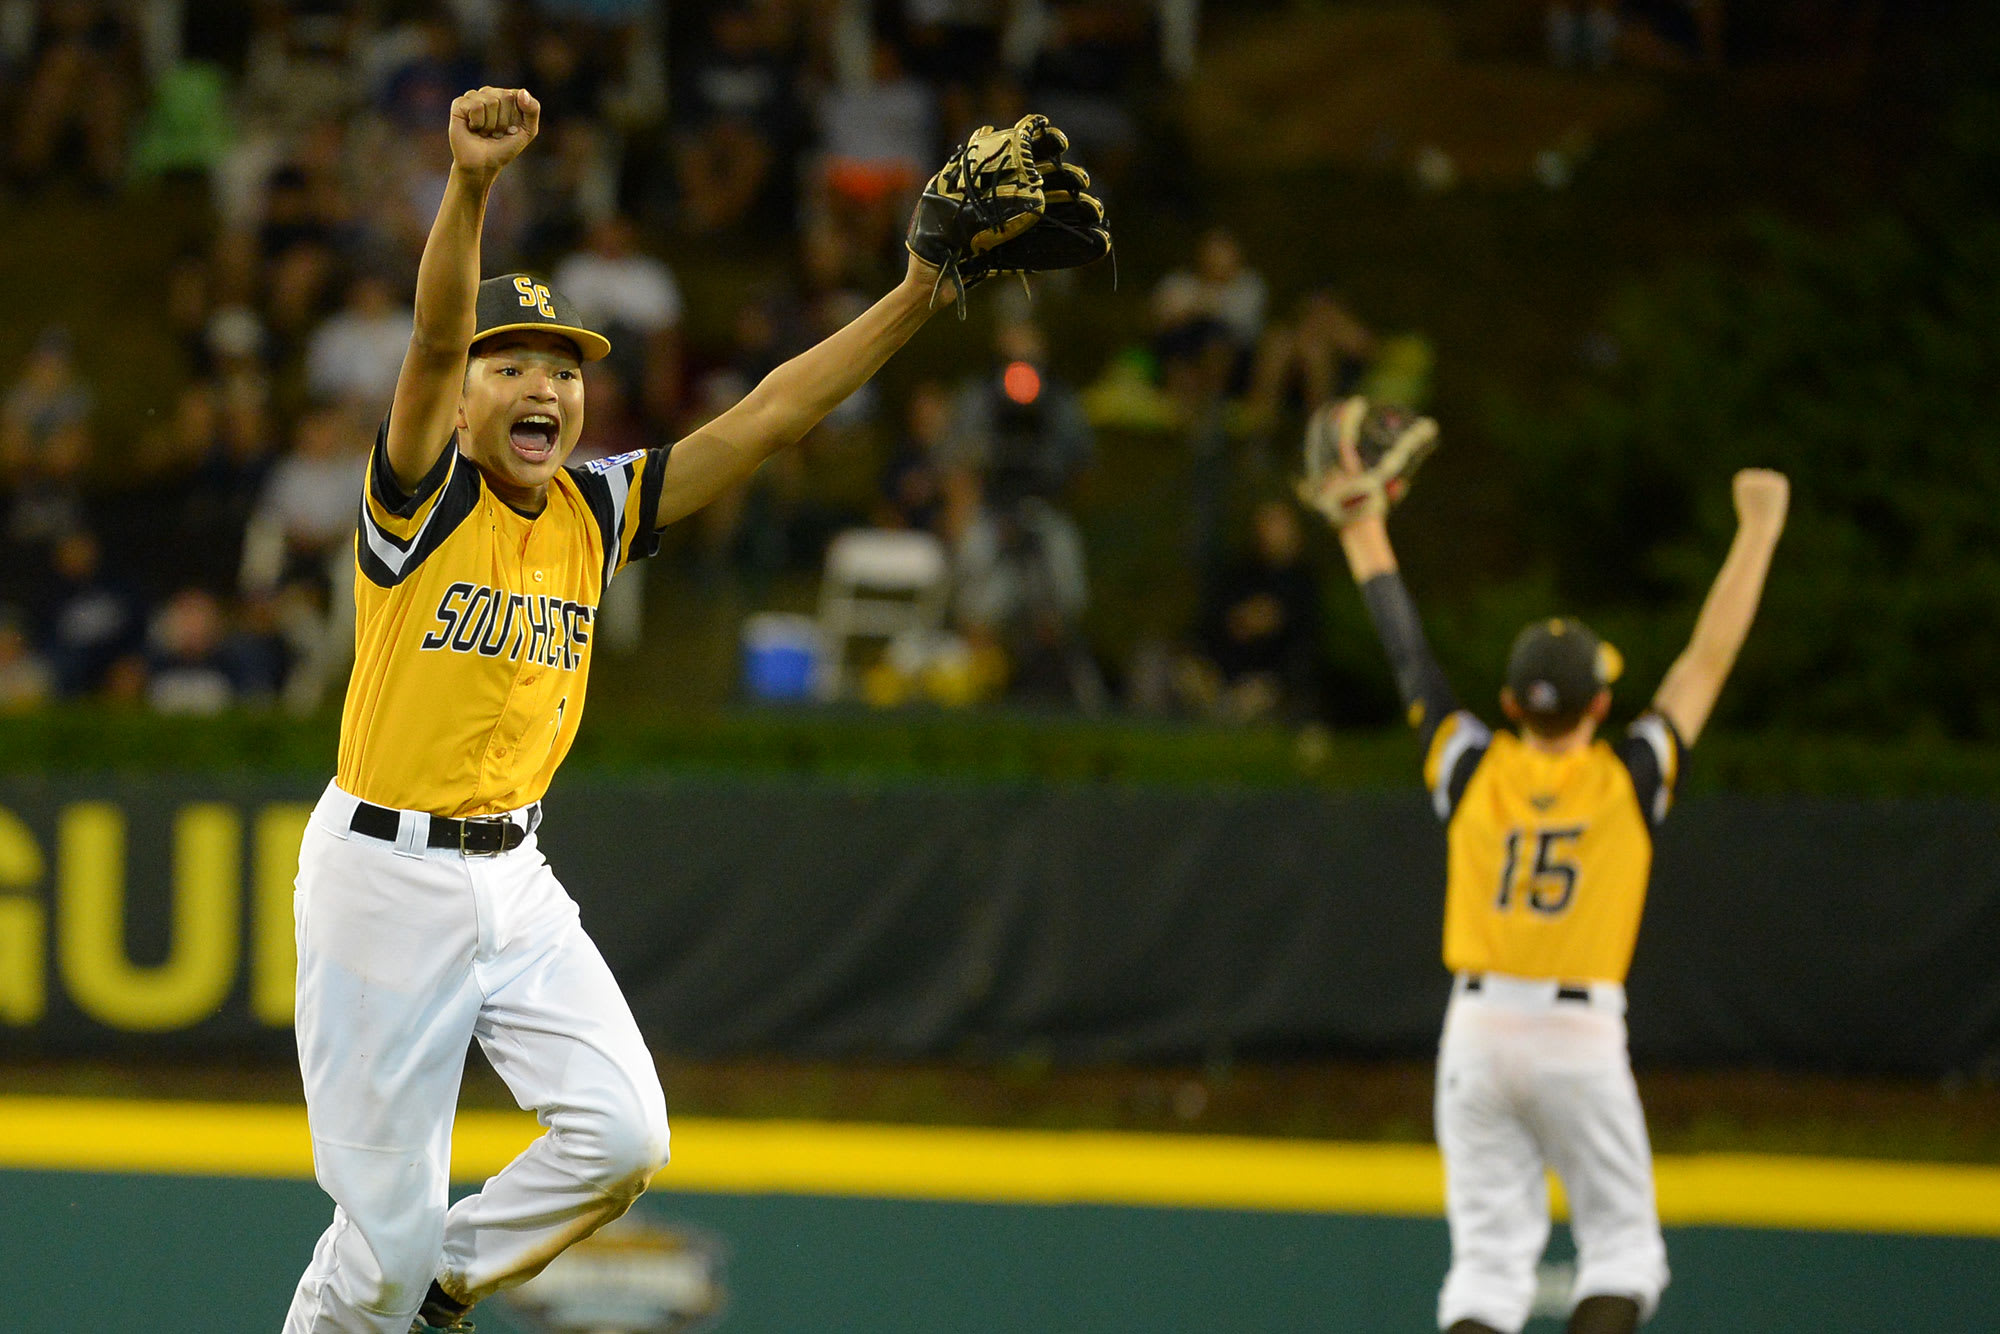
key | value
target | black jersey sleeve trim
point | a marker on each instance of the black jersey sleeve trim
(606, 486)
(646, 532)
(1427, 695)
(389, 494)
(1457, 746)
(386, 559)
(604, 489)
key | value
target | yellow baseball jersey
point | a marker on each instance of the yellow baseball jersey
(1549, 855)
(473, 627)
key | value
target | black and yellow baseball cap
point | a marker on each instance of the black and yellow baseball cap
(1557, 666)
(521, 301)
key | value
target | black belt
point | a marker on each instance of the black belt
(478, 836)
(1474, 982)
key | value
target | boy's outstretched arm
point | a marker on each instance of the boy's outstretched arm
(1687, 695)
(1335, 468)
(1427, 696)
(489, 128)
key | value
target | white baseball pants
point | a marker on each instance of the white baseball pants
(1527, 1082)
(405, 955)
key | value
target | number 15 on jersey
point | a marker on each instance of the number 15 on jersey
(1551, 879)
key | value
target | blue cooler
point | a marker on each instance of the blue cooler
(781, 652)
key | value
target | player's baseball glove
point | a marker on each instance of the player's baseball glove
(1360, 459)
(1006, 202)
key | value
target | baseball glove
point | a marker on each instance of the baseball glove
(1006, 202)
(1360, 459)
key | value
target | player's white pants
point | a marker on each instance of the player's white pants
(1525, 1083)
(404, 957)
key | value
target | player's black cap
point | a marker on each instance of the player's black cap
(517, 301)
(1557, 666)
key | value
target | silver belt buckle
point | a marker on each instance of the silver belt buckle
(466, 825)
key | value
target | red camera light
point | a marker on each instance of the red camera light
(1021, 382)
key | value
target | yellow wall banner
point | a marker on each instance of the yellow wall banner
(114, 930)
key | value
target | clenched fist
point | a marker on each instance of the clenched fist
(490, 127)
(1762, 497)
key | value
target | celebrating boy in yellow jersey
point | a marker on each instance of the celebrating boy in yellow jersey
(427, 916)
(1550, 846)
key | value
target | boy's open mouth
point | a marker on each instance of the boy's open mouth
(533, 436)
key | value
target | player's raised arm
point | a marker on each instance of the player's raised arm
(1354, 491)
(489, 128)
(1688, 693)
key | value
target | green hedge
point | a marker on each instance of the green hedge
(990, 747)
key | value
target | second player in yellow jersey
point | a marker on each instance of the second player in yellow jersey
(1549, 834)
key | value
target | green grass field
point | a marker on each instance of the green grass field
(192, 1217)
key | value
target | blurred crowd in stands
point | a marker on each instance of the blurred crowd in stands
(797, 130)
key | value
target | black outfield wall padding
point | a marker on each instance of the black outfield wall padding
(1089, 923)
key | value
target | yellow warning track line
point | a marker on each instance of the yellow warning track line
(1016, 1166)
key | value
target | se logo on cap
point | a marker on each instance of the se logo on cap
(536, 295)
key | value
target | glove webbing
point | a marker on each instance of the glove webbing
(980, 203)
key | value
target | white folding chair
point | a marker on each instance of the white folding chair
(878, 583)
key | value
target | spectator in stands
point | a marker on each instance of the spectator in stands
(186, 669)
(837, 276)
(1079, 57)
(1651, 34)
(881, 138)
(80, 80)
(322, 156)
(225, 488)
(1021, 587)
(1019, 428)
(1206, 320)
(298, 66)
(355, 356)
(45, 442)
(1208, 317)
(417, 91)
(563, 73)
(25, 679)
(233, 339)
(1017, 437)
(736, 122)
(1260, 628)
(1582, 35)
(632, 297)
(951, 42)
(188, 285)
(280, 647)
(308, 502)
(297, 245)
(730, 526)
(1674, 34)
(1323, 354)
(88, 621)
(917, 491)
(177, 448)
(617, 424)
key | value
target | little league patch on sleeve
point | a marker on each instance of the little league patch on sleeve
(615, 461)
